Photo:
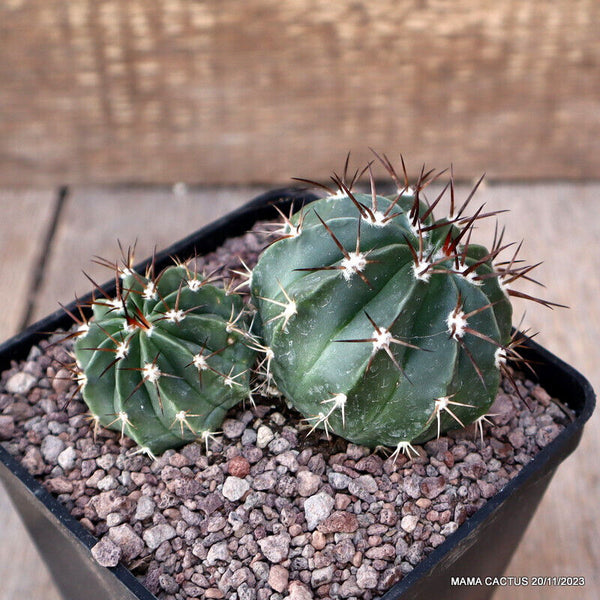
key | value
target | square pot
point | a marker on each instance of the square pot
(480, 548)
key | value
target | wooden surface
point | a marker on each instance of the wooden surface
(559, 221)
(26, 219)
(209, 92)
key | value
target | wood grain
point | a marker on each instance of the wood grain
(25, 218)
(94, 220)
(260, 91)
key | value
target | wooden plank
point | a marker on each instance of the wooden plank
(561, 225)
(26, 217)
(94, 219)
(146, 91)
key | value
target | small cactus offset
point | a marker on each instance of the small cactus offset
(383, 324)
(164, 359)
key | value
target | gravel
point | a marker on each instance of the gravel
(317, 508)
(234, 488)
(107, 553)
(20, 383)
(271, 512)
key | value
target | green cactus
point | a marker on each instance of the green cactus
(164, 359)
(383, 324)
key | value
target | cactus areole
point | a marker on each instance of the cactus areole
(165, 359)
(386, 326)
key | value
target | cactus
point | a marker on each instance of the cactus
(164, 359)
(383, 324)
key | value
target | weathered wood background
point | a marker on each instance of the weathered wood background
(241, 91)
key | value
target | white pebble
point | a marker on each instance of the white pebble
(66, 459)
(366, 577)
(107, 483)
(275, 548)
(218, 551)
(263, 436)
(145, 508)
(158, 534)
(20, 383)
(234, 488)
(51, 447)
(317, 508)
(409, 523)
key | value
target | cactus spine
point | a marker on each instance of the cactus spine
(385, 325)
(164, 359)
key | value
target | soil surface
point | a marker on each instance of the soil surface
(270, 511)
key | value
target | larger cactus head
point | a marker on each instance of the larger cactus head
(165, 358)
(385, 325)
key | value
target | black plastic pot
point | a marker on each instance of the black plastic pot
(480, 548)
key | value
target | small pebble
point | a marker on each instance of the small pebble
(278, 578)
(234, 488)
(106, 461)
(145, 508)
(299, 591)
(106, 553)
(218, 552)
(339, 481)
(107, 483)
(363, 487)
(432, 487)
(317, 508)
(263, 436)
(7, 427)
(321, 576)
(409, 522)
(20, 383)
(238, 466)
(158, 534)
(59, 485)
(275, 548)
(308, 483)
(51, 447)
(366, 577)
(318, 540)
(67, 458)
(232, 428)
(339, 522)
(130, 543)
